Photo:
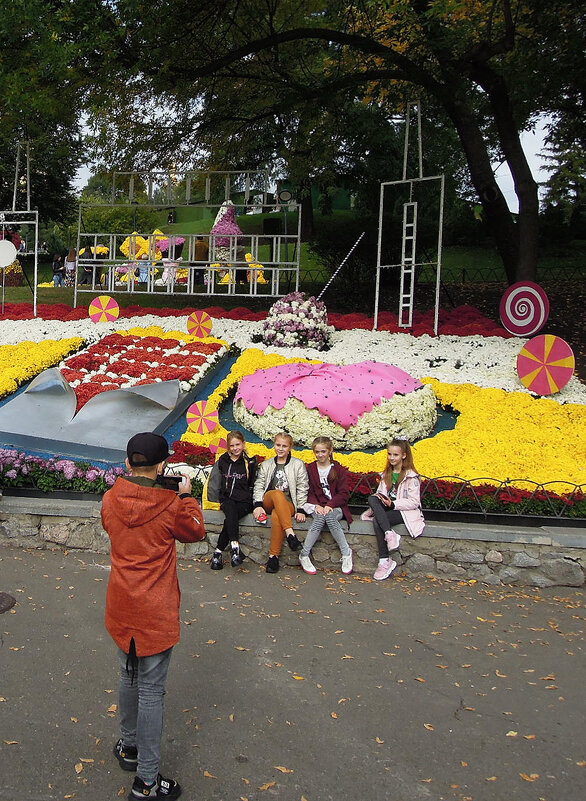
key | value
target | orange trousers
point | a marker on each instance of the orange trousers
(275, 502)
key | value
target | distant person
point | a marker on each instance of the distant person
(70, 267)
(58, 270)
(144, 520)
(202, 251)
(396, 504)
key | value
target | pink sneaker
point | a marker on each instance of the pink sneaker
(384, 569)
(393, 540)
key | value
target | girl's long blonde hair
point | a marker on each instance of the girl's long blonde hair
(408, 463)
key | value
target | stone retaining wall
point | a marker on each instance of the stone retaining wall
(497, 555)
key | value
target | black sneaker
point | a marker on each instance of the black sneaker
(237, 557)
(293, 542)
(162, 788)
(217, 561)
(127, 756)
(272, 564)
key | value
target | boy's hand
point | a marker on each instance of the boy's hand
(184, 485)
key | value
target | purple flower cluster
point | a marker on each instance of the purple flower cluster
(297, 321)
(19, 469)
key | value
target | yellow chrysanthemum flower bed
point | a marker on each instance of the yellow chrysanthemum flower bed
(500, 435)
(183, 336)
(19, 363)
(506, 435)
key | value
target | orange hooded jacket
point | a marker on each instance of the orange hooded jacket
(143, 595)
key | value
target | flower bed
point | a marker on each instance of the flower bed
(140, 356)
(493, 456)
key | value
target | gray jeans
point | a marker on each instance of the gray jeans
(141, 709)
(332, 520)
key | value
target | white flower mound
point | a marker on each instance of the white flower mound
(411, 416)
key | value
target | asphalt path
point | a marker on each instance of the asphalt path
(300, 687)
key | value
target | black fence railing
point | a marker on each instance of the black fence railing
(555, 499)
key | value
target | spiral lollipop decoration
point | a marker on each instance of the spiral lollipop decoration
(524, 309)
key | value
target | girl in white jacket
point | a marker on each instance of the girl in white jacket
(397, 501)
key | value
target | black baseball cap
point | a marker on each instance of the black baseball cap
(147, 449)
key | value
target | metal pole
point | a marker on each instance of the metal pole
(28, 176)
(378, 253)
(439, 257)
(36, 268)
(16, 170)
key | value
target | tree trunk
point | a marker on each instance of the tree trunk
(306, 214)
(499, 219)
(525, 185)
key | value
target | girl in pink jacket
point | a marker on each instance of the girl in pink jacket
(397, 502)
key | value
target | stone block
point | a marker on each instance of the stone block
(470, 557)
(320, 553)
(449, 570)
(508, 575)
(251, 541)
(538, 580)
(420, 563)
(494, 556)
(192, 549)
(57, 533)
(563, 572)
(523, 559)
(479, 572)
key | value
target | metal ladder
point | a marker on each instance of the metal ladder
(408, 248)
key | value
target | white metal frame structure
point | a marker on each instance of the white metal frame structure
(279, 270)
(409, 259)
(30, 217)
(409, 232)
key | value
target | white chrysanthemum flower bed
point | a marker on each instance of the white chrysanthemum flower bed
(411, 416)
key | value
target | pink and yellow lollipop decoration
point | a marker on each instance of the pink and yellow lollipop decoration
(199, 324)
(103, 309)
(202, 417)
(546, 364)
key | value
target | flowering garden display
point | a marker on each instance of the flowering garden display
(296, 321)
(492, 459)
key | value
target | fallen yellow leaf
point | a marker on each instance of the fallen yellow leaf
(531, 777)
(231, 718)
(529, 736)
(113, 708)
(428, 726)
(210, 642)
(334, 714)
(78, 767)
(282, 769)
(511, 734)
(299, 678)
(491, 779)
(87, 761)
(418, 678)
(379, 741)
(10, 742)
(209, 775)
(267, 785)
(122, 791)
(501, 675)
(74, 720)
(347, 657)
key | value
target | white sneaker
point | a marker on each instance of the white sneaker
(384, 569)
(347, 566)
(307, 565)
